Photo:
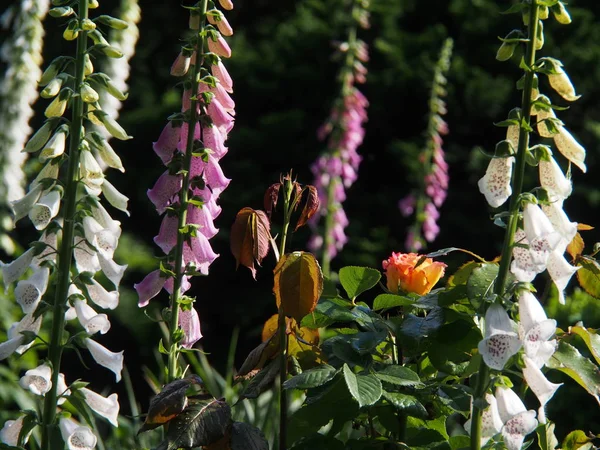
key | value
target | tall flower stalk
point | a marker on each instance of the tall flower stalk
(71, 181)
(535, 237)
(426, 200)
(337, 168)
(22, 52)
(188, 191)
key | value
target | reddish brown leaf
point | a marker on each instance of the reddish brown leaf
(271, 197)
(250, 238)
(311, 206)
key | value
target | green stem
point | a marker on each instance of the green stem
(65, 253)
(173, 367)
(509, 237)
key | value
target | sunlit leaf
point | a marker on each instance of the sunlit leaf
(589, 276)
(546, 438)
(298, 284)
(590, 337)
(386, 301)
(576, 246)
(577, 440)
(311, 206)
(407, 404)
(250, 238)
(481, 283)
(302, 341)
(366, 389)
(357, 280)
(311, 378)
(399, 375)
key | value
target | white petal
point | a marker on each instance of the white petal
(553, 179)
(561, 272)
(45, 210)
(13, 271)
(86, 259)
(28, 293)
(54, 147)
(541, 124)
(89, 170)
(497, 320)
(534, 339)
(9, 434)
(512, 135)
(495, 184)
(531, 312)
(105, 407)
(48, 171)
(107, 153)
(540, 233)
(522, 266)
(49, 254)
(27, 323)
(106, 358)
(539, 384)
(90, 319)
(560, 222)
(102, 297)
(496, 350)
(570, 148)
(515, 430)
(62, 391)
(10, 346)
(509, 403)
(103, 218)
(77, 437)
(561, 83)
(38, 380)
(491, 424)
(114, 197)
(113, 271)
(22, 206)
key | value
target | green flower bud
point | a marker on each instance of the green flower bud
(97, 38)
(93, 4)
(56, 108)
(88, 67)
(53, 88)
(72, 30)
(88, 95)
(505, 51)
(105, 151)
(56, 145)
(62, 11)
(88, 25)
(111, 22)
(111, 125)
(561, 14)
(52, 70)
(539, 37)
(40, 137)
(112, 52)
(543, 14)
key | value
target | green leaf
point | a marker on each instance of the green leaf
(576, 440)
(407, 404)
(453, 346)
(247, 437)
(366, 389)
(420, 327)
(568, 360)
(386, 301)
(589, 276)
(546, 438)
(261, 381)
(460, 442)
(318, 441)
(590, 337)
(480, 284)
(400, 376)
(368, 319)
(311, 378)
(357, 280)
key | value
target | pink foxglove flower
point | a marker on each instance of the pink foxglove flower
(500, 341)
(518, 421)
(535, 329)
(189, 322)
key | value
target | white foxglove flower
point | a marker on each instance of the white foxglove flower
(491, 424)
(106, 358)
(90, 171)
(62, 390)
(105, 240)
(495, 184)
(50, 252)
(9, 434)
(512, 135)
(535, 329)
(561, 223)
(38, 380)
(105, 151)
(105, 407)
(28, 293)
(500, 341)
(561, 83)
(518, 421)
(55, 147)
(101, 216)
(75, 436)
(89, 319)
(101, 297)
(45, 209)
(522, 266)
(561, 272)
(540, 233)
(113, 271)
(539, 384)
(553, 180)
(16, 339)
(48, 171)
(542, 125)
(114, 197)
(21, 207)
(11, 272)
(86, 259)
(570, 148)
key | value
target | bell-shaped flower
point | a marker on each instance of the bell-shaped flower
(20, 208)
(90, 171)
(9, 434)
(226, 4)
(102, 297)
(540, 233)
(561, 224)
(105, 407)
(495, 184)
(219, 46)
(167, 142)
(539, 384)
(561, 83)
(62, 390)
(224, 98)
(105, 240)
(535, 329)
(112, 361)
(166, 187)
(38, 380)
(522, 266)
(214, 140)
(89, 319)
(114, 197)
(213, 175)
(202, 217)
(181, 65)
(45, 209)
(500, 341)
(110, 124)
(40, 137)
(518, 421)
(106, 153)
(189, 322)
(570, 148)
(220, 117)
(48, 171)
(101, 216)
(543, 117)
(14, 270)
(220, 72)
(55, 147)
(216, 17)
(185, 284)
(149, 287)
(86, 259)
(199, 253)
(113, 271)
(77, 437)
(16, 339)
(491, 424)
(50, 238)
(561, 272)
(553, 180)
(28, 293)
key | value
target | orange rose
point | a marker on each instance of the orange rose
(402, 275)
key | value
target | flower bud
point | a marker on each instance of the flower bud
(52, 70)
(543, 14)
(40, 137)
(53, 88)
(194, 22)
(88, 94)
(226, 4)
(88, 25)
(61, 11)
(112, 52)
(570, 148)
(105, 151)
(56, 145)
(57, 107)
(181, 65)
(561, 83)
(88, 67)
(111, 125)
(116, 24)
(216, 17)
(114, 197)
(219, 46)
(72, 30)
(561, 14)
(539, 37)
(93, 4)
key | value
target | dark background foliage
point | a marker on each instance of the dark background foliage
(285, 82)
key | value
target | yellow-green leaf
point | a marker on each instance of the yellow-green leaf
(589, 276)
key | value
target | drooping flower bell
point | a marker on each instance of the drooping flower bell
(500, 341)
(518, 421)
